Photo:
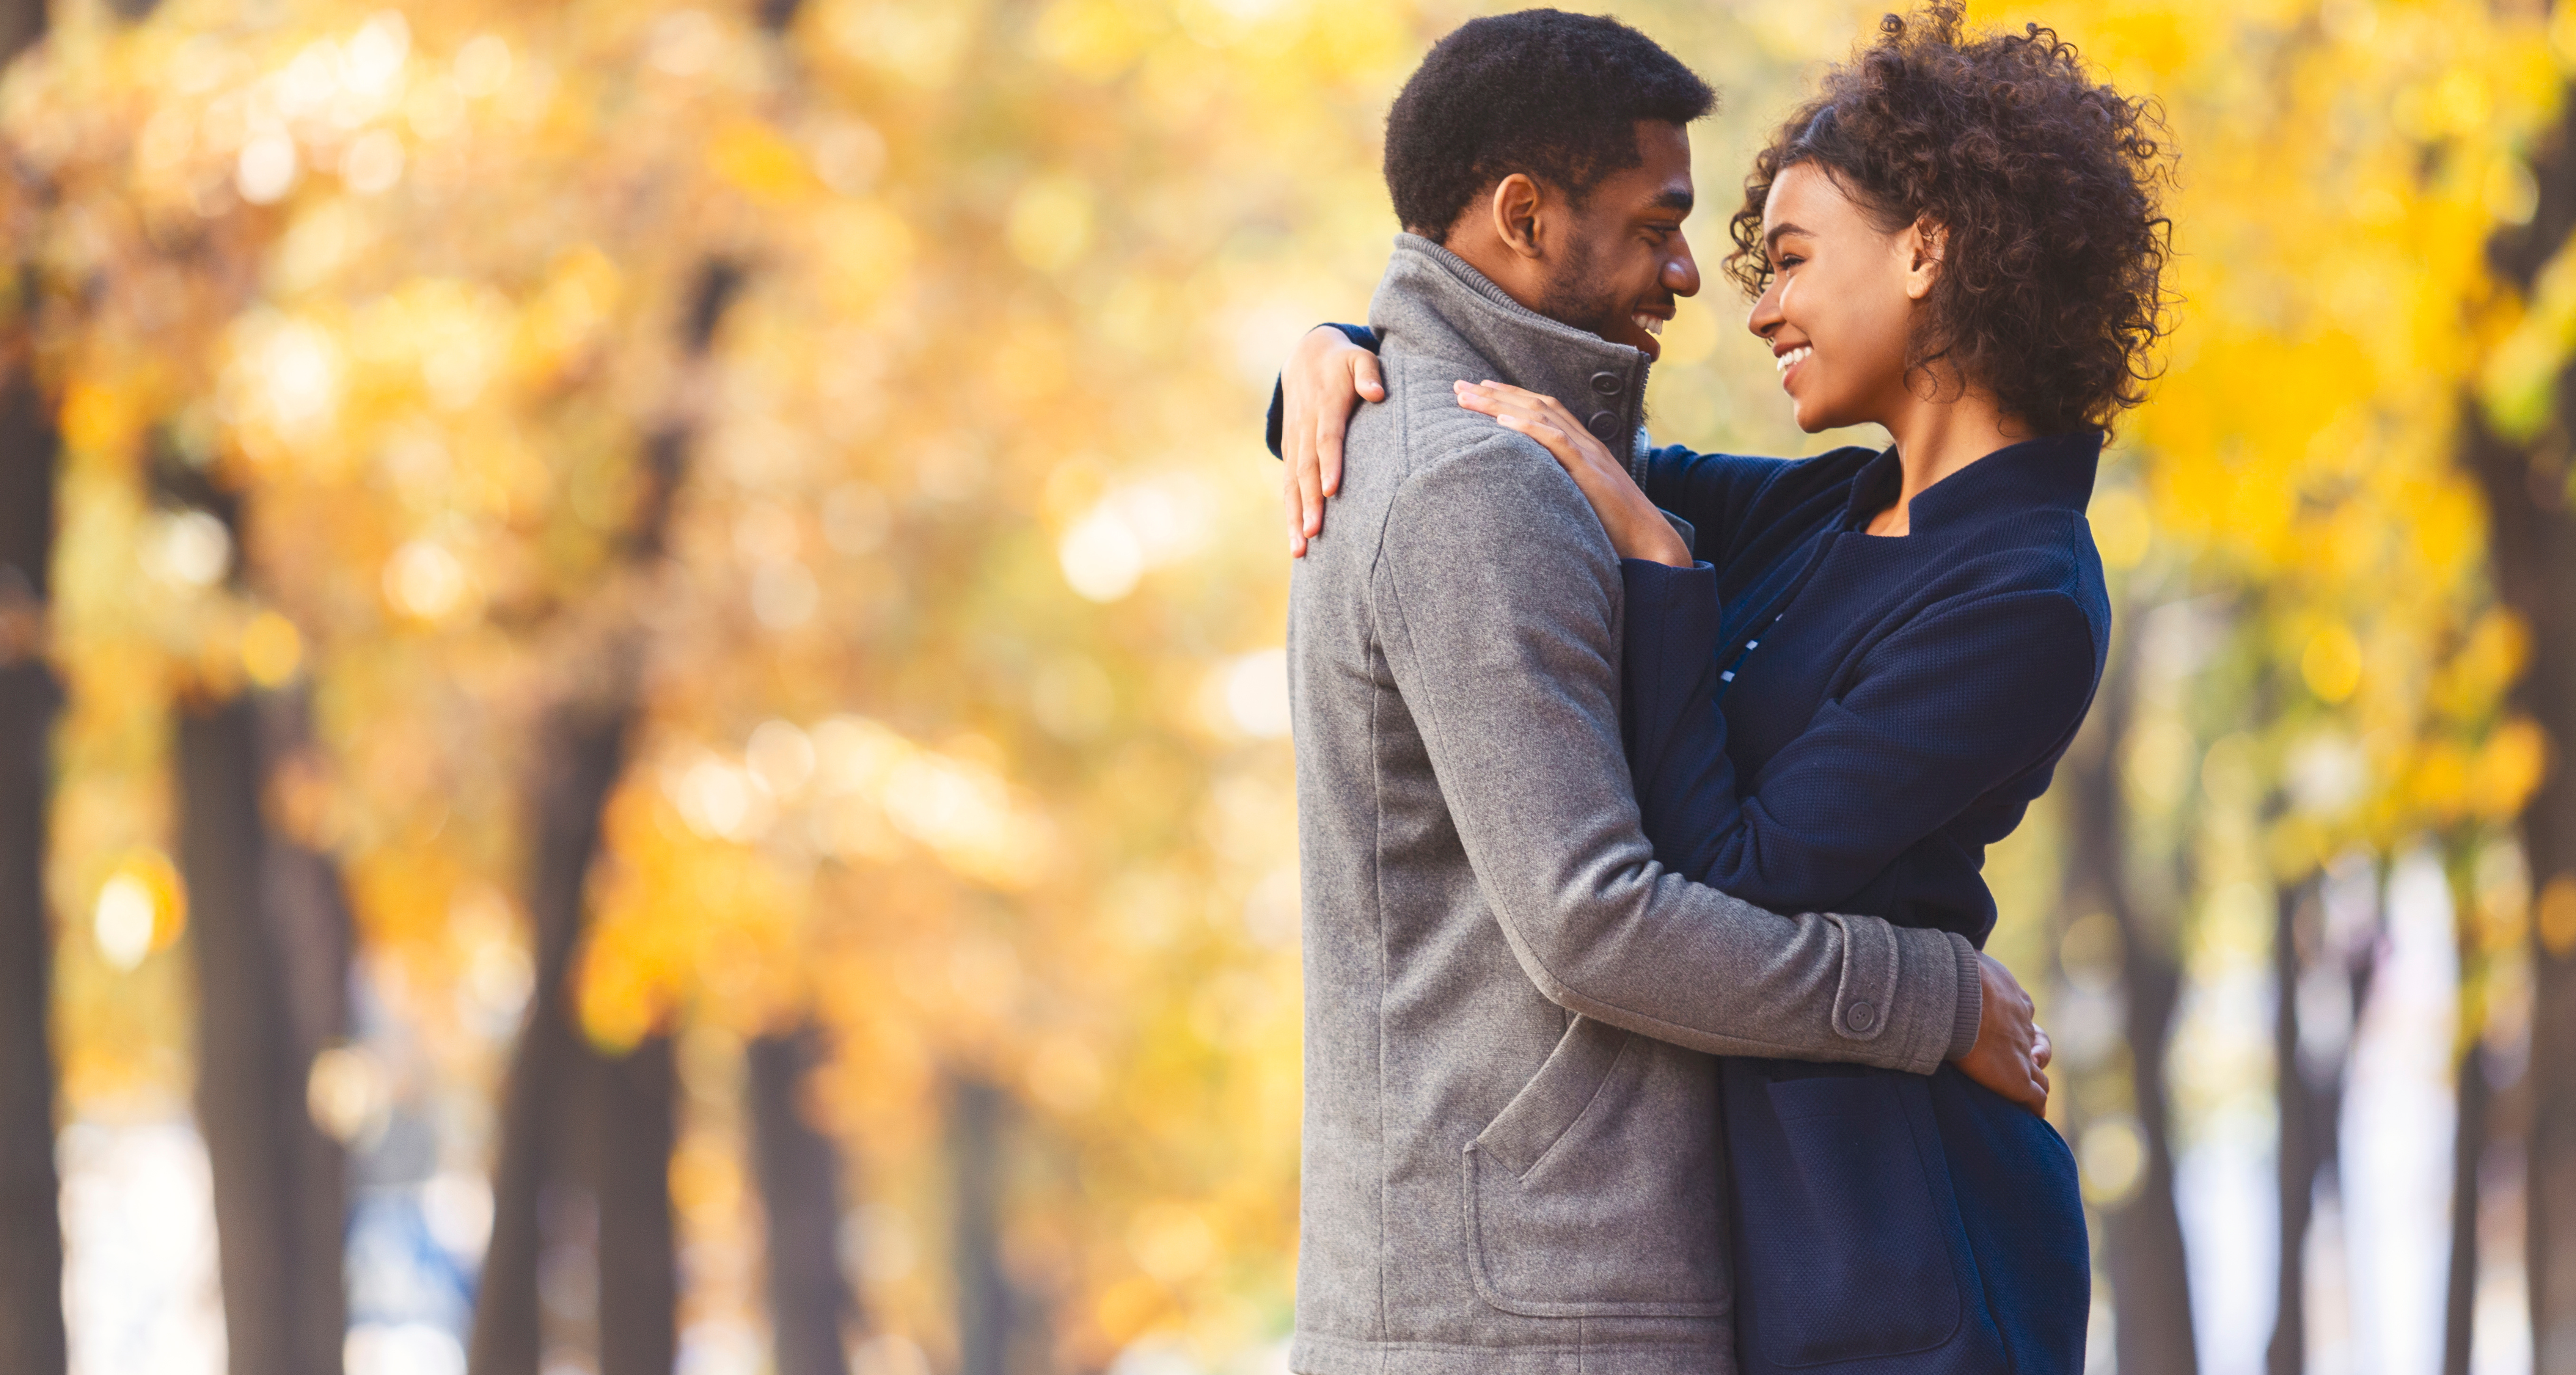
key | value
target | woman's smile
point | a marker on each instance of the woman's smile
(1788, 360)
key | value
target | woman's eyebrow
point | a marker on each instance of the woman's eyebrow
(1772, 239)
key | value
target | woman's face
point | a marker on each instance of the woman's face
(1840, 307)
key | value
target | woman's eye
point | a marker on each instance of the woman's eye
(1790, 262)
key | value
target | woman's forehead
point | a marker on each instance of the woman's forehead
(1805, 197)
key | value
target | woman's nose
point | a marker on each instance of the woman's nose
(1766, 312)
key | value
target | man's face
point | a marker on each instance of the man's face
(1627, 259)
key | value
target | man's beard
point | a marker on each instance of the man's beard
(1576, 297)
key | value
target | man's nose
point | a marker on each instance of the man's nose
(1681, 272)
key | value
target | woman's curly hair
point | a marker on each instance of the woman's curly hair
(2045, 184)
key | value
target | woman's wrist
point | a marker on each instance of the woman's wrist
(1643, 533)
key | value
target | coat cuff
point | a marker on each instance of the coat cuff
(1972, 1000)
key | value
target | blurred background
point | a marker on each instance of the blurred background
(642, 728)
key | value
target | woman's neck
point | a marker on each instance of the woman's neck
(1935, 439)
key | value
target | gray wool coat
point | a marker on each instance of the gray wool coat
(1512, 1162)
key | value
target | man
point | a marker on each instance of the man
(1511, 1152)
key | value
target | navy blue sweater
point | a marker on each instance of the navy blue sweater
(1891, 706)
(1825, 720)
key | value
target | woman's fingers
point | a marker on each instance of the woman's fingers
(1370, 385)
(1296, 522)
(1310, 488)
(1296, 431)
(1552, 438)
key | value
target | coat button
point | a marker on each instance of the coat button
(1603, 425)
(1861, 1016)
(1606, 383)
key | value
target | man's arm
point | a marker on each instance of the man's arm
(1496, 596)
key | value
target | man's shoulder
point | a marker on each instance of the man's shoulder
(1434, 433)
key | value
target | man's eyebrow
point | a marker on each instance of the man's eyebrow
(1674, 200)
(1772, 239)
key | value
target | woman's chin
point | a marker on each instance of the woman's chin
(1815, 419)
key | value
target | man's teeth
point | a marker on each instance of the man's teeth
(1651, 324)
(1792, 358)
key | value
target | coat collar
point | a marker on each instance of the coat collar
(2053, 472)
(1432, 302)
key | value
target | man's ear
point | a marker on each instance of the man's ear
(1926, 241)
(1515, 206)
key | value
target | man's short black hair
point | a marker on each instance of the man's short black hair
(1554, 95)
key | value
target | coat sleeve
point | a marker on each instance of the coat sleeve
(1961, 699)
(1497, 600)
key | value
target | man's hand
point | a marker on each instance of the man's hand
(2011, 1054)
(1325, 380)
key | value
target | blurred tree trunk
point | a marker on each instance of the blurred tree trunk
(271, 937)
(271, 962)
(2308, 1088)
(2475, 1096)
(31, 1232)
(581, 750)
(2533, 538)
(2144, 1247)
(31, 1237)
(2308, 1113)
(975, 1124)
(584, 749)
(799, 1169)
(2532, 546)
(2468, 1148)
(639, 1275)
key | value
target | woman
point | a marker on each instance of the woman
(1864, 666)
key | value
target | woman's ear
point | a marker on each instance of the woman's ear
(1515, 206)
(1925, 241)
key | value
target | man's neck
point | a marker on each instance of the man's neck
(1519, 277)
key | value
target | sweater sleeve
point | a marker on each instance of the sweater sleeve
(1361, 335)
(1711, 491)
(1960, 700)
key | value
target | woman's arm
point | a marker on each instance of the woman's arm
(1330, 372)
(1889, 764)
(1714, 492)
(1954, 704)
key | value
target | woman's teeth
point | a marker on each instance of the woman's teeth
(1792, 358)
(1651, 324)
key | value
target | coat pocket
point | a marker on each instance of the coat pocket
(1847, 1237)
(1595, 1192)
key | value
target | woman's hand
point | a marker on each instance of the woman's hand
(1637, 530)
(1326, 379)
(2011, 1054)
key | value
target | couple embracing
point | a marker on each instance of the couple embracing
(1643, 793)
